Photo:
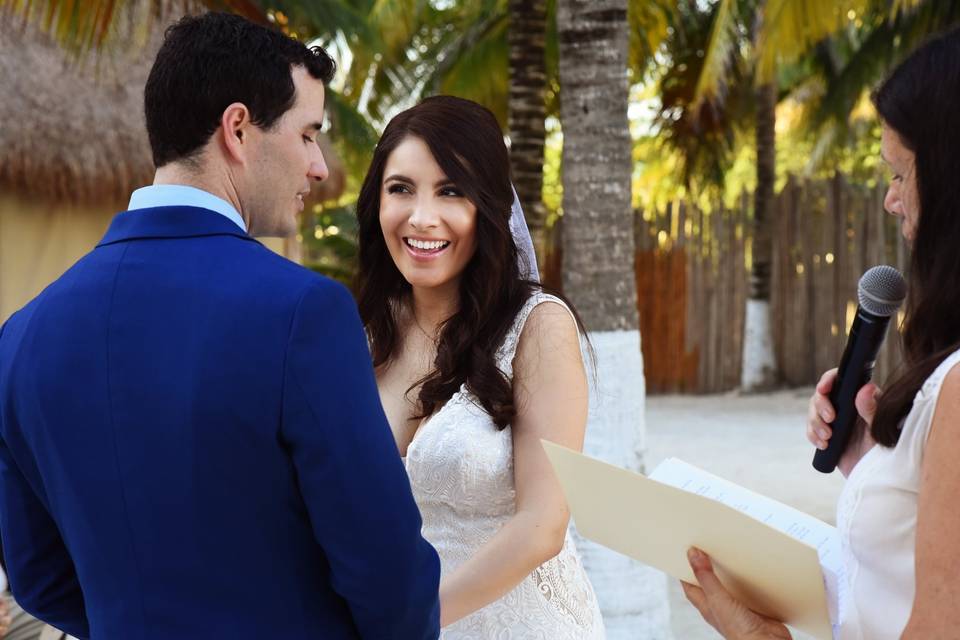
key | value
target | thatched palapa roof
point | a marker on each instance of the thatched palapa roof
(72, 130)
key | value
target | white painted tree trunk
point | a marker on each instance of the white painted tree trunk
(759, 365)
(598, 275)
(632, 596)
(759, 369)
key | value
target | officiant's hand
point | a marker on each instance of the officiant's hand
(820, 413)
(725, 613)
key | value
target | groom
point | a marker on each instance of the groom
(191, 440)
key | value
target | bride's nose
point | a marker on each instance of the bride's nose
(423, 216)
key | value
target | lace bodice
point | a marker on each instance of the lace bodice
(461, 472)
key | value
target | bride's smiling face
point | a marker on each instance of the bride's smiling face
(429, 225)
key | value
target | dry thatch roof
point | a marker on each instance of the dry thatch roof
(72, 130)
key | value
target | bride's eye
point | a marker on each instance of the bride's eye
(397, 188)
(451, 192)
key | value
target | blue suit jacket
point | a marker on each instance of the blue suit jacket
(192, 446)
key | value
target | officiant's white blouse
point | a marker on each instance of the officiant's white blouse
(877, 520)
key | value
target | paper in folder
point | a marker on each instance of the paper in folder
(775, 559)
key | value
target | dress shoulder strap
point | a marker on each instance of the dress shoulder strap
(508, 350)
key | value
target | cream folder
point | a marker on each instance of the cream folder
(768, 570)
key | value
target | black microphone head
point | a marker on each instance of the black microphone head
(881, 290)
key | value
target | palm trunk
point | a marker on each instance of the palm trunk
(598, 276)
(759, 364)
(527, 112)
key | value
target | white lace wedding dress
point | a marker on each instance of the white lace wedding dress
(461, 470)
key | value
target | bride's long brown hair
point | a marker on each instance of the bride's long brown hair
(468, 145)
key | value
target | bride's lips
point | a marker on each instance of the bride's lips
(422, 254)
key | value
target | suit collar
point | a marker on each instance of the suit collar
(181, 195)
(170, 222)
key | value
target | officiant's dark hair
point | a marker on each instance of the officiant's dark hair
(210, 61)
(919, 102)
(467, 143)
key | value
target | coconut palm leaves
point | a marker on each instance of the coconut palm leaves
(863, 53)
(82, 26)
(427, 49)
(765, 34)
(694, 121)
(649, 26)
(717, 53)
(745, 42)
(790, 28)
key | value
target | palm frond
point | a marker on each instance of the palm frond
(880, 44)
(904, 6)
(351, 133)
(699, 133)
(76, 25)
(396, 21)
(874, 55)
(82, 27)
(717, 55)
(423, 46)
(481, 73)
(330, 242)
(390, 74)
(790, 28)
(927, 19)
(649, 22)
(327, 19)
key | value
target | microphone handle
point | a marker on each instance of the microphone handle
(856, 369)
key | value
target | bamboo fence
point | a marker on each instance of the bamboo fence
(692, 270)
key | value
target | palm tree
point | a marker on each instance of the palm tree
(598, 276)
(87, 27)
(748, 41)
(527, 109)
(855, 60)
(82, 26)
(502, 54)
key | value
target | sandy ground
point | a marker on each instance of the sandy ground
(754, 440)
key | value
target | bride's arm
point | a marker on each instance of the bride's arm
(550, 391)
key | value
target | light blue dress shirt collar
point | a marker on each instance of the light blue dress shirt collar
(177, 195)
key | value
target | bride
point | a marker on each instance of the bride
(475, 364)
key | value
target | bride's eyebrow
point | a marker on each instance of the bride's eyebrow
(398, 178)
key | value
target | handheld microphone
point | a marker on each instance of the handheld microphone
(881, 291)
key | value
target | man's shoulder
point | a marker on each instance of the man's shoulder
(274, 268)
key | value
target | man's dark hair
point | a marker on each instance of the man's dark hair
(210, 61)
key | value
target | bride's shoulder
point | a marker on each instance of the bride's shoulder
(543, 322)
(544, 319)
(548, 349)
(543, 307)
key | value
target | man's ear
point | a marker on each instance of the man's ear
(235, 125)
